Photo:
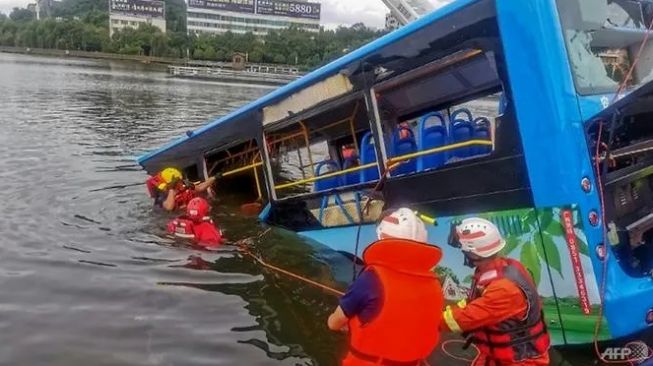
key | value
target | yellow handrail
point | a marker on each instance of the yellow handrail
(328, 175)
(257, 180)
(242, 169)
(439, 149)
(390, 162)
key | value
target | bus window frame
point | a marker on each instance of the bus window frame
(300, 119)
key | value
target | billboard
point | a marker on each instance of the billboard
(293, 9)
(142, 8)
(240, 6)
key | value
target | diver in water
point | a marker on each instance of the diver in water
(392, 310)
(171, 191)
(197, 225)
(503, 314)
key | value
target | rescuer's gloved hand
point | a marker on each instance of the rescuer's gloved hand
(174, 183)
(188, 184)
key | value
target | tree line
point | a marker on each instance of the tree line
(84, 25)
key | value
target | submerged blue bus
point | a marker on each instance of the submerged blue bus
(497, 108)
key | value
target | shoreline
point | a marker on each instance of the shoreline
(90, 55)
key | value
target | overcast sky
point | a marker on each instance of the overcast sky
(334, 12)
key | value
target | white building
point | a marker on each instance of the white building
(131, 13)
(256, 16)
(452, 291)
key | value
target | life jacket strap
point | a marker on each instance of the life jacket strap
(382, 361)
(512, 342)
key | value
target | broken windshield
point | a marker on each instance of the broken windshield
(602, 39)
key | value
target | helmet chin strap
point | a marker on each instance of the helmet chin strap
(468, 262)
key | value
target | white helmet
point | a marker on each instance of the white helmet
(480, 237)
(402, 224)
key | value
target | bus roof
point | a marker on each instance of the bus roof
(239, 124)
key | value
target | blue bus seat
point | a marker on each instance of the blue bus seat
(402, 146)
(368, 155)
(431, 137)
(327, 183)
(461, 130)
(482, 132)
(353, 177)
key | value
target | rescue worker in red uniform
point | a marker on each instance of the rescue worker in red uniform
(392, 309)
(197, 225)
(503, 314)
(170, 191)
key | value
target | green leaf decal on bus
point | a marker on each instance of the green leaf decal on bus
(512, 242)
(548, 251)
(530, 259)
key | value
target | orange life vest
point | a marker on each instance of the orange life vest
(406, 330)
(512, 340)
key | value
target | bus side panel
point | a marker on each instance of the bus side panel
(549, 118)
(545, 253)
(562, 247)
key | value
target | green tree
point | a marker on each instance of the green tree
(176, 16)
(21, 15)
(444, 272)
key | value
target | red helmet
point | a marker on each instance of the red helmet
(197, 208)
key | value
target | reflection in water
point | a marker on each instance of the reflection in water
(87, 272)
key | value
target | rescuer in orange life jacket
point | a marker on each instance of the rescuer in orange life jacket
(392, 310)
(197, 225)
(503, 314)
(170, 191)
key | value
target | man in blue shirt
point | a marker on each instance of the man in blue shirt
(391, 309)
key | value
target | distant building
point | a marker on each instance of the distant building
(131, 13)
(391, 22)
(255, 16)
(452, 291)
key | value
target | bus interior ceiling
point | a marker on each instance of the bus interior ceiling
(240, 166)
(627, 158)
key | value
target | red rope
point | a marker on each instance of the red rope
(243, 249)
(599, 181)
(459, 358)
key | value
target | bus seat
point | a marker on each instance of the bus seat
(431, 137)
(482, 132)
(402, 145)
(353, 177)
(368, 155)
(327, 183)
(461, 130)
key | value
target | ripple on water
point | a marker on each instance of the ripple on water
(88, 272)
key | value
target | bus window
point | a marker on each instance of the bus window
(241, 166)
(335, 136)
(441, 117)
(602, 37)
